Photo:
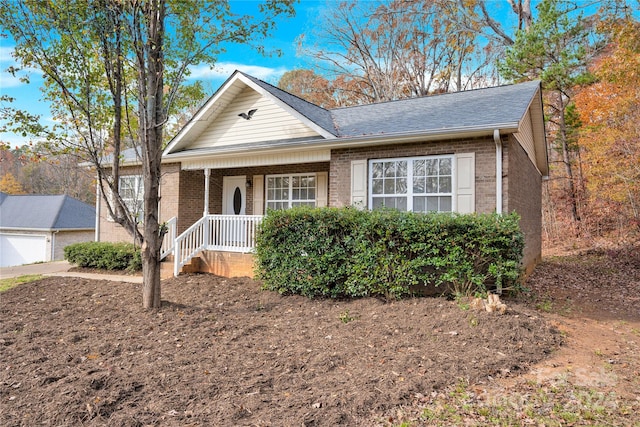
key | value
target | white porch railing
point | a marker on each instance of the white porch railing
(231, 233)
(169, 238)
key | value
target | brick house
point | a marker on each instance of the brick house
(253, 147)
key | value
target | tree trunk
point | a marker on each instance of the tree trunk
(566, 159)
(152, 128)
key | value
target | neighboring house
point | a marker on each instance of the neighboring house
(36, 228)
(253, 147)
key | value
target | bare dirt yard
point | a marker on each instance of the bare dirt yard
(221, 352)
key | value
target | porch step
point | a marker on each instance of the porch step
(194, 266)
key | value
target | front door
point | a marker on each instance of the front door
(234, 195)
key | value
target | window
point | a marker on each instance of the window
(131, 188)
(286, 191)
(418, 184)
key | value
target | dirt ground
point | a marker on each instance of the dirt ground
(221, 352)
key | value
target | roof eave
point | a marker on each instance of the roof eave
(47, 230)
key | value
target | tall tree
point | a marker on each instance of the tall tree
(555, 49)
(10, 185)
(116, 68)
(380, 51)
(309, 86)
(610, 112)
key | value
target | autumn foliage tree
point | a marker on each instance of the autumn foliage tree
(309, 86)
(10, 185)
(117, 70)
(381, 51)
(556, 49)
(609, 139)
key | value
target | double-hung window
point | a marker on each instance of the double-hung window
(418, 184)
(287, 191)
(131, 188)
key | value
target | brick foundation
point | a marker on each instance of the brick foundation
(226, 264)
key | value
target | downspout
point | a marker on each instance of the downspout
(498, 141)
(53, 245)
(98, 198)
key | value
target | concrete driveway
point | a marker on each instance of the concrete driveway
(61, 268)
(43, 268)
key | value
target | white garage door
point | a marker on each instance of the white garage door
(18, 249)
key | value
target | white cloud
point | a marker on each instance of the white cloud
(223, 70)
(7, 60)
(8, 80)
(6, 54)
(14, 140)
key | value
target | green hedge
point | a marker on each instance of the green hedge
(104, 255)
(345, 252)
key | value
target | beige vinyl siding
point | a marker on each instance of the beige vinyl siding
(525, 137)
(269, 123)
(250, 159)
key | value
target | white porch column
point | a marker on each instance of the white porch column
(207, 172)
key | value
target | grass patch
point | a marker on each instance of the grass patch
(541, 404)
(12, 282)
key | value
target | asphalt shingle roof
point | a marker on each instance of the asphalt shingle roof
(315, 113)
(45, 212)
(473, 108)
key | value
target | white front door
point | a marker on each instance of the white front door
(234, 195)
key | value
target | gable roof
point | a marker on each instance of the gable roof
(45, 212)
(314, 113)
(312, 116)
(509, 109)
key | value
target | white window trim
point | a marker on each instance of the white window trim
(139, 183)
(409, 193)
(289, 175)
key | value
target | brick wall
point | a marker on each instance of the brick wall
(110, 231)
(191, 198)
(182, 192)
(227, 264)
(340, 171)
(523, 184)
(169, 191)
(218, 174)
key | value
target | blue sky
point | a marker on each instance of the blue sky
(268, 68)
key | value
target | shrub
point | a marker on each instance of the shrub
(345, 252)
(104, 255)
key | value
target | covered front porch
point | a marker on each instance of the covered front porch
(216, 208)
(218, 244)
